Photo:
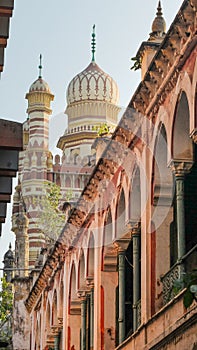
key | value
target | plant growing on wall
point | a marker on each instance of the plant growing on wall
(6, 306)
(188, 281)
(50, 219)
(102, 129)
(137, 63)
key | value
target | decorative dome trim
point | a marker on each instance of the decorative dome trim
(39, 85)
(92, 84)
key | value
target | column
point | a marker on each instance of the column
(56, 342)
(180, 169)
(90, 285)
(82, 296)
(121, 246)
(92, 317)
(136, 273)
(121, 286)
(55, 336)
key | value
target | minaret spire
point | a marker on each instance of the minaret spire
(159, 9)
(93, 43)
(40, 67)
(159, 24)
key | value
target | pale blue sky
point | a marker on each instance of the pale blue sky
(61, 31)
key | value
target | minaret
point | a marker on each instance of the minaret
(148, 48)
(33, 175)
(8, 262)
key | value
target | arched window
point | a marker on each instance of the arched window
(68, 182)
(77, 182)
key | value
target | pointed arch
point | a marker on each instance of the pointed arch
(68, 182)
(61, 299)
(161, 215)
(54, 309)
(90, 256)
(72, 289)
(77, 182)
(135, 197)
(81, 271)
(161, 174)
(120, 215)
(181, 141)
(48, 317)
(107, 232)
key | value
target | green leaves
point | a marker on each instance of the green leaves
(50, 219)
(102, 129)
(137, 63)
(6, 300)
(188, 279)
(188, 298)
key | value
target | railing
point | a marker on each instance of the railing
(168, 283)
(186, 264)
(80, 129)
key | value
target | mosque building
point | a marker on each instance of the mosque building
(107, 281)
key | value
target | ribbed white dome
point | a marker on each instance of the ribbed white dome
(39, 85)
(92, 84)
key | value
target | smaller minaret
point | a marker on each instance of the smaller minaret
(39, 99)
(35, 162)
(148, 48)
(8, 262)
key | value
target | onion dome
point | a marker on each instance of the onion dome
(92, 84)
(39, 96)
(9, 255)
(159, 24)
(40, 85)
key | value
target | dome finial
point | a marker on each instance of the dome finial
(159, 25)
(40, 67)
(159, 9)
(93, 44)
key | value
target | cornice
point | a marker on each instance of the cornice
(76, 138)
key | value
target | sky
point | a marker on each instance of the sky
(61, 32)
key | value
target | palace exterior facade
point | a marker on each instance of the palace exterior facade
(108, 281)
